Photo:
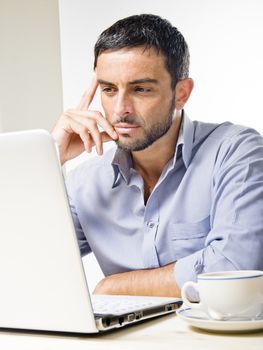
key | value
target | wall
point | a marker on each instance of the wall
(30, 68)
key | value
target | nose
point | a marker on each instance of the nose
(123, 105)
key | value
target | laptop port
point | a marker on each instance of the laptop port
(107, 322)
(169, 308)
(131, 317)
(138, 315)
(121, 320)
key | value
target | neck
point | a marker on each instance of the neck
(151, 161)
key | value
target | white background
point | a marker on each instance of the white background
(225, 38)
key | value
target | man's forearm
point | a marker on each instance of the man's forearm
(153, 282)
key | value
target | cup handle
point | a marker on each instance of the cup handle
(185, 297)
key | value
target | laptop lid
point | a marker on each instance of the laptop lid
(43, 283)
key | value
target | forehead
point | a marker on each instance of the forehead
(129, 64)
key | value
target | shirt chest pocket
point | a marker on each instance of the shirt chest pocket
(188, 237)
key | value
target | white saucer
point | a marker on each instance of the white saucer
(199, 319)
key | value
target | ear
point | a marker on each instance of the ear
(183, 91)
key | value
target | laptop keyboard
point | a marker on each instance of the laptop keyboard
(119, 304)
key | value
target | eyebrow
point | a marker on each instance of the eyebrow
(133, 82)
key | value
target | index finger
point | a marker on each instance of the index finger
(87, 97)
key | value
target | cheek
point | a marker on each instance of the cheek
(152, 110)
(147, 107)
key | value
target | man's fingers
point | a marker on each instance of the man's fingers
(77, 128)
(88, 95)
(96, 138)
(85, 125)
(89, 117)
(87, 129)
(105, 137)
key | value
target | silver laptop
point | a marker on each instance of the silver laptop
(42, 280)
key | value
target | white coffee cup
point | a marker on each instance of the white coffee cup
(227, 295)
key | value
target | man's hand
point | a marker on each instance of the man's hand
(152, 282)
(77, 129)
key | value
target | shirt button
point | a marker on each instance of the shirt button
(151, 224)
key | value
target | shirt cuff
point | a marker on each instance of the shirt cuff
(187, 269)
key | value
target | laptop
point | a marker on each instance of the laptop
(43, 286)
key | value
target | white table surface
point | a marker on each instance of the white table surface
(168, 332)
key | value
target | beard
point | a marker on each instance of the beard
(151, 133)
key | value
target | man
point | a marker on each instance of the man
(175, 198)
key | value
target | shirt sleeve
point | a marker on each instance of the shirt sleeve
(235, 240)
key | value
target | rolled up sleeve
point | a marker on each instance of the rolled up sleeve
(235, 240)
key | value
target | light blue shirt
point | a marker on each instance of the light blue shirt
(205, 213)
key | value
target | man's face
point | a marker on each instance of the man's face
(136, 95)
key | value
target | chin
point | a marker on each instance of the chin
(124, 145)
(132, 147)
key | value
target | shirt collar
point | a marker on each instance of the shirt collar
(122, 161)
(187, 139)
(122, 164)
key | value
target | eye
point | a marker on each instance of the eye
(142, 89)
(108, 90)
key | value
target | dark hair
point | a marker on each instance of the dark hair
(150, 31)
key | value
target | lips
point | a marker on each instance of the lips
(125, 128)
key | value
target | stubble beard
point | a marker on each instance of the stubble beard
(152, 134)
